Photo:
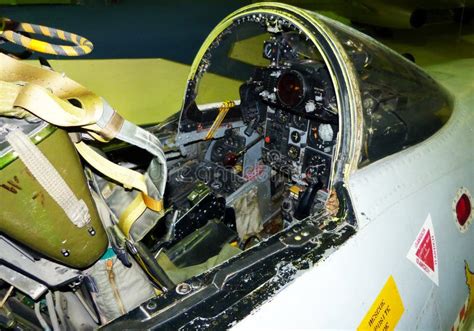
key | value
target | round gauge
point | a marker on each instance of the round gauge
(273, 157)
(269, 50)
(282, 117)
(295, 137)
(315, 159)
(325, 132)
(293, 152)
(318, 167)
(290, 89)
(300, 122)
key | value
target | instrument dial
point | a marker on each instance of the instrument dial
(282, 117)
(300, 122)
(270, 50)
(317, 167)
(290, 89)
(295, 137)
(294, 152)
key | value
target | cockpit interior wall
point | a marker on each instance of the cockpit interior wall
(166, 35)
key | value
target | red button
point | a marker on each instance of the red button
(267, 140)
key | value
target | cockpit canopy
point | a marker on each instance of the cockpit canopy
(384, 102)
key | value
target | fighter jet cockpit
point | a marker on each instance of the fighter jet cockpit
(247, 184)
(260, 124)
(270, 128)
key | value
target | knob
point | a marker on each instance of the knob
(310, 106)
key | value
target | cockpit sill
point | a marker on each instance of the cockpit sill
(226, 294)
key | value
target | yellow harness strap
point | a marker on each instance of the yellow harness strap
(47, 106)
(155, 205)
(54, 110)
(129, 179)
(12, 70)
(131, 213)
(45, 95)
(8, 95)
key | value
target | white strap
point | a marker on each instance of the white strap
(49, 178)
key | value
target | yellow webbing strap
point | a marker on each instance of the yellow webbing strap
(223, 109)
(45, 105)
(10, 31)
(13, 70)
(44, 94)
(54, 110)
(9, 92)
(156, 205)
(131, 213)
(129, 179)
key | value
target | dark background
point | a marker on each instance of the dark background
(133, 28)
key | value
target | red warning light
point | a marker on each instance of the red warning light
(463, 209)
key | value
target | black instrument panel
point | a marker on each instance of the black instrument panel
(294, 103)
(300, 125)
(298, 146)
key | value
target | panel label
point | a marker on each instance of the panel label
(386, 310)
(423, 252)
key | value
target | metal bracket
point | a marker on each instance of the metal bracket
(47, 273)
(26, 285)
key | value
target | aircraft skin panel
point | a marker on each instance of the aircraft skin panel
(428, 318)
(396, 200)
(354, 275)
(395, 178)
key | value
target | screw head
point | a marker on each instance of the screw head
(151, 305)
(183, 288)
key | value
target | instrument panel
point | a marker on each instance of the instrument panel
(298, 146)
(300, 124)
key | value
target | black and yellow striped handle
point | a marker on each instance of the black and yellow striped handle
(9, 30)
